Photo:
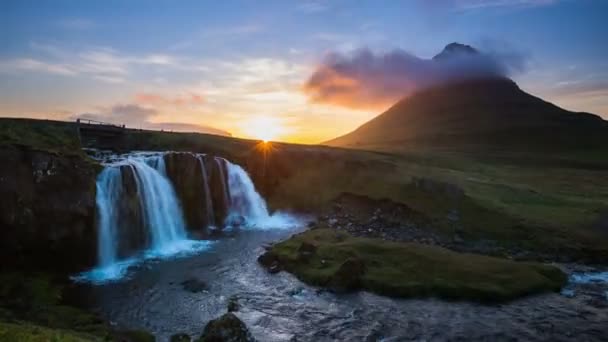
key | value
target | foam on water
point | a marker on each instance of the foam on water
(589, 277)
(123, 269)
(248, 205)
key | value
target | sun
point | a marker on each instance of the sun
(265, 128)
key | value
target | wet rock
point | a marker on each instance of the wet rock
(457, 239)
(47, 210)
(184, 171)
(270, 261)
(306, 251)
(227, 328)
(133, 336)
(233, 303)
(194, 285)
(182, 337)
(348, 276)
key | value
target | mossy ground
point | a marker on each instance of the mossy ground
(27, 332)
(413, 270)
(32, 308)
(54, 136)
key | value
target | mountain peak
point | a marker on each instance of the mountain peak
(456, 49)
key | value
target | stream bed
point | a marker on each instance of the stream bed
(279, 307)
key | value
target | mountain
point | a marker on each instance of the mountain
(489, 112)
(455, 49)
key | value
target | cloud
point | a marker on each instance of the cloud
(312, 6)
(136, 116)
(99, 63)
(364, 79)
(190, 99)
(581, 88)
(468, 5)
(131, 115)
(29, 64)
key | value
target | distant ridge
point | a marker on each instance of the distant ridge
(488, 112)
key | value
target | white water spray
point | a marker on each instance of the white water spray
(248, 205)
(161, 213)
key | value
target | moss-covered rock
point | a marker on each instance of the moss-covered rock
(349, 276)
(47, 211)
(342, 262)
(227, 328)
(134, 336)
(26, 332)
(181, 337)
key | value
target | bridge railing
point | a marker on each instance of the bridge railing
(95, 122)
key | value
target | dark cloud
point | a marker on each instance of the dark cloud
(364, 79)
(136, 116)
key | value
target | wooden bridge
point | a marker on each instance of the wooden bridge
(103, 135)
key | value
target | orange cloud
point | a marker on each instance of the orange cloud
(154, 99)
(364, 79)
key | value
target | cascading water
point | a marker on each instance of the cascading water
(109, 190)
(161, 215)
(247, 205)
(139, 215)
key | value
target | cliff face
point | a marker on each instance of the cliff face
(47, 208)
(186, 175)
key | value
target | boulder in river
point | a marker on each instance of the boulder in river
(306, 251)
(181, 337)
(227, 328)
(270, 261)
(348, 276)
(194, 285)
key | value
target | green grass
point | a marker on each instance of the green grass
(32, 308)
(413, 270)
(45, 135)
(26, 332)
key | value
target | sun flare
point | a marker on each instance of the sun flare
(264, 128)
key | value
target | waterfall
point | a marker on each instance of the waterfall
(247, 207)
(207, 190)
(109, 191)
(140, 217)
(162, 214)
(245, 201)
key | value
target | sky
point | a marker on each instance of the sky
(267, 69)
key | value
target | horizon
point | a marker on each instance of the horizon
(270, 71)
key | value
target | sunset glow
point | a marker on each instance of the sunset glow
(264, 128)
(279, 70)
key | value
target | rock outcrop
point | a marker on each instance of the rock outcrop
(186, 174)
(227, 328)
(184, 171)
(47, 208)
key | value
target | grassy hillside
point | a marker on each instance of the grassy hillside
(477, 116)
(55, 136)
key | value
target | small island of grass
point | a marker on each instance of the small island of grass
(341, 262)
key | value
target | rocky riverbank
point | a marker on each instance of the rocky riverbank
(384, 219)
